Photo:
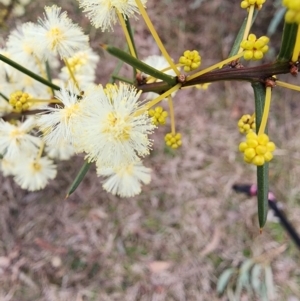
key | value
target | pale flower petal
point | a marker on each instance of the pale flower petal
(56, 34)
(125, 181)
(56, 123)
(16, 140)
(103, 13)
(33, 174)
(109, 130)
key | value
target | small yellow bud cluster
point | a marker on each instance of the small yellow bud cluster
(257, 149)
(247, 3)
(191, 60)
(293, 11)
(158, 115)
(173, 140)
(19, 101)
(255, 48)
(246, 124)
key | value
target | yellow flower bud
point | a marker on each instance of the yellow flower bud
(248, 55)
(250, 153)
(261, 149)
(252, 143)
(258, 160)
(264, 49)
(263, 139)
(243, 146)
(270, 146)
(257, 149)
(268, 156)
(251, 135)
(257, 54)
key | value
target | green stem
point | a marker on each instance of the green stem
(130, 60)
(236, 45)
(116, 71)
(4, 97)
(129, 29)
(48, 72)
(262, 171)
(81, 174)
(28, 72)
(123, 79)
(287, 42)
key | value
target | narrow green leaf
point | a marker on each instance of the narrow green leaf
(224, 280)
(264, 293)
(48, 72)
(244, 277)
(236, 45)
(287, 42)
(269, 283)
(130, 60)
(262, 171)
(82, 172)
(278, 16)
(123, 79)
(116, 71)
(255, 277)
(230, 294)
(4, 97)
(28, 72)
(262, 193)
(245, 267)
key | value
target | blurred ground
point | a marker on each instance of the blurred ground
(172, 241)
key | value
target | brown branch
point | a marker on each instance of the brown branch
(250, 74)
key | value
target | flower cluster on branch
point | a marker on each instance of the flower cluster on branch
(49, 66)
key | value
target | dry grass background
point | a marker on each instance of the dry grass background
(172, 241)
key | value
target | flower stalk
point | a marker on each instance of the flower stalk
(156, 37)
(266, 110)
(296, 51)
(71, 74)
(217, 65)
(172, 115)
(248, 24)
(287, 85)
(127, 35)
